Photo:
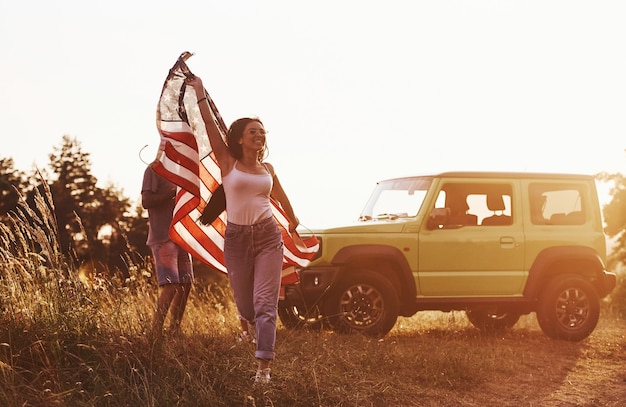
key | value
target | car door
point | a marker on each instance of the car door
(476, 253)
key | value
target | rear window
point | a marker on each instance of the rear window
(557, 204)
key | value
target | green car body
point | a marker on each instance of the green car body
(496, 245)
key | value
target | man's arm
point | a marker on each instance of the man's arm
(150, 199)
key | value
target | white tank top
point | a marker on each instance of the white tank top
(247, 196)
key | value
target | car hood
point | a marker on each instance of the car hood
(372, 226)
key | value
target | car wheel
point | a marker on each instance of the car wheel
(568, 308)
(291, 316)
(490, 320)
(364, 302)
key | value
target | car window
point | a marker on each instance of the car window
(396, 198)
(475, 204)
(556, 204)
(398, 202)
(481, 205)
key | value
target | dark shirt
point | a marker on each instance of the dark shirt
(157, 196)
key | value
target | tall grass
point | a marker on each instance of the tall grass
(72, 341)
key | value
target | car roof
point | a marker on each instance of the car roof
(505, 174)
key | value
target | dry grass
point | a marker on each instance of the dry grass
(67, 343)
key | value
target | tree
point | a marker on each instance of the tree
(111, 220)
(137, 232)
(615, 215)
(615, 221)
(91, 220)
(73, 192)
(12, 183)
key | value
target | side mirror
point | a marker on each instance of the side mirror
(438, 218)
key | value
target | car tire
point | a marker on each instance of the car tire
(569, 308)
(363, 302)
(489, 321)
(292, 317)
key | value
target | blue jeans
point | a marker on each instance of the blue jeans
(254, 259)
(173, 264)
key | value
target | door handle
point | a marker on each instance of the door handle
(508, 242)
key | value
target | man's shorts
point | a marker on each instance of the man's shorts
(173, 264)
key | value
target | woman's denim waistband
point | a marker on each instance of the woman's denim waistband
(262, 225)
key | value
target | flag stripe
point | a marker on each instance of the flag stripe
(178, 160)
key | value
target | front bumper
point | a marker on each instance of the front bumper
(610, 281)
(313, 284)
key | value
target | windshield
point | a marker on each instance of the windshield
(396, 198)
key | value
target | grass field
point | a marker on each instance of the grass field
(71, 341)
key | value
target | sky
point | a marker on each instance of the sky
(351, 92)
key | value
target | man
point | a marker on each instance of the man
(173, 265)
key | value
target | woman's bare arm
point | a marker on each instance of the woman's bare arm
(279, 194)
(219, 147)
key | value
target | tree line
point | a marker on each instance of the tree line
(96, 226)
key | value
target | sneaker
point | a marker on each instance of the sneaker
(245, 336)
(262, 376)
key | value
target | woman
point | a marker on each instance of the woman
(253, 246)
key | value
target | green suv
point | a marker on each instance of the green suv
(496, 245)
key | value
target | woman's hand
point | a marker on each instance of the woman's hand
(196, 83)
(293, 224)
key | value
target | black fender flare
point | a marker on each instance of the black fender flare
(581, 260)
(404, 281)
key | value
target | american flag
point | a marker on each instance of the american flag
(185, 158)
